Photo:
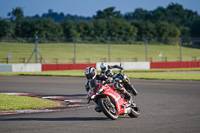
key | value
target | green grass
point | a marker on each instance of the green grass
(12, 102)
(96, 52)
(171, 74)
(76, 73)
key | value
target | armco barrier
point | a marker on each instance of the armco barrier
(26, 68)
(52, 67)
(168, 65)
(20, 68)
(5, 68)
(128, 65)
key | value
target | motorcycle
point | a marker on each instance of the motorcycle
(122, 79)
(110, 102)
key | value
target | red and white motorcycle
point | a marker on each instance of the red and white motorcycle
(110, 102)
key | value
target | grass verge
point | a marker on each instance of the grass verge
(171, 74)
(65, 52)
(12, 102)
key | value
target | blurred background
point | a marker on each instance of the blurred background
(101, 31)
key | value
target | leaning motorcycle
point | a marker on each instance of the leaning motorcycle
(111, 103)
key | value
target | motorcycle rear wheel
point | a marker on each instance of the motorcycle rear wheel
(107, 108)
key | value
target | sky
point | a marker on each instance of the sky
(88, 7)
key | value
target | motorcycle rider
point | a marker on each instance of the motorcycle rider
(106, 70)
(91, 74)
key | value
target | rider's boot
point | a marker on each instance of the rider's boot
(128, 98)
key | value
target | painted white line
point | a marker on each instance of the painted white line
(16, 93)
(74, 101)
(49, 97)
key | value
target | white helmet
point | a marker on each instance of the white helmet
(103, 67)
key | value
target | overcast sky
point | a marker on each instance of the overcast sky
(88, 7)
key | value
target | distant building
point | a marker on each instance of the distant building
(50, 11)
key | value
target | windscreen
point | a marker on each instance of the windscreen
(92, 84)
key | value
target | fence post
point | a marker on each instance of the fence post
(119, 59)
(146, 48)
(108, 49)
(134, 59)
(164, 59)
(194, 58)
(7, 60)
(180, 43)
(150, 59)
(36, 51)
(88, 60)
(74, 50)
(104, 59)
(40, 60)
(24, 60)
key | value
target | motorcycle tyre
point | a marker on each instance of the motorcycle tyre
(130, 89)
(135, 112)
(106, 111)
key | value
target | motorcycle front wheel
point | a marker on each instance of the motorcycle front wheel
(135, 112)
(130, 89)
(108, 108)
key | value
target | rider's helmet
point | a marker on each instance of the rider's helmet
(103, 67)
(90, 73)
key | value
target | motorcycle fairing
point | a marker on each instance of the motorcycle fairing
(119, 102)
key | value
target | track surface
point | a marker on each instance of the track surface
(166, 106)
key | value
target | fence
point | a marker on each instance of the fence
(98, 50)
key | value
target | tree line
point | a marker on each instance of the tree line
(163, 23)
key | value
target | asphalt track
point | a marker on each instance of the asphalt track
(166, 107)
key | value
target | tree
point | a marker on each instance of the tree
(158, 14)
(46, 28)
(120, 28)
(145, 29)
(195, 30)
(167, 31)
(16, 15)
(100, 28)
(6, 28)
(27, 28)
(69, 29)
(108, 13)
(176, 14)
(85, 29)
